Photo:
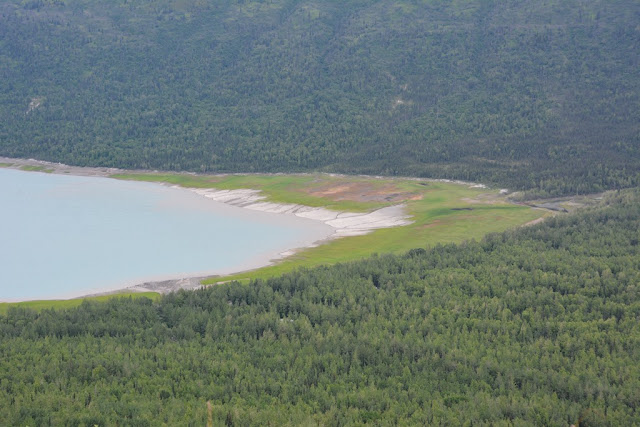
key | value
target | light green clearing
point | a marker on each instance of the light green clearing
(5, 165)
(64, 304)
(277, 188)
(30, 168)
(434, 220)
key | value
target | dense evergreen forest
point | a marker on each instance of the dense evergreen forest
(530, 94)
(535, 326)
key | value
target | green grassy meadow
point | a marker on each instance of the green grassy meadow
(277, 188)
(70, 303)
(31, 168)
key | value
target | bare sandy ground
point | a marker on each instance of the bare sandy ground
(344, 223)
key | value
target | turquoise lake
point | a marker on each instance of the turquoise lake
(65, 236)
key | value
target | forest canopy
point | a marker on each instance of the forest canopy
(527, 94)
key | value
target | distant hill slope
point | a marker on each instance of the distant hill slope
(524, 93)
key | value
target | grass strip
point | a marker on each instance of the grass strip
(70, 303)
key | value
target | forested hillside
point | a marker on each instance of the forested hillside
(535, 326)
(524, 93)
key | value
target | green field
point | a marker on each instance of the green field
(278, 188)
(31, 168)
(442, 212)
(70, 303)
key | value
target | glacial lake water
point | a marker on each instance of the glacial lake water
(64, 236)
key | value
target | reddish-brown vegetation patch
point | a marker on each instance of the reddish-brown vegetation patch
(363, 192)
(431, 224)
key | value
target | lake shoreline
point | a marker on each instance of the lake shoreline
(343, 224)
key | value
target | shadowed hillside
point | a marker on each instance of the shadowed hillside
(526, 94)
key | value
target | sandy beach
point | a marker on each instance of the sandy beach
(344, 224)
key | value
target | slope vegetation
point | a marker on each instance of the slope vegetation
(529, 94)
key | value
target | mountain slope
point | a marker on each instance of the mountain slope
(522, 93)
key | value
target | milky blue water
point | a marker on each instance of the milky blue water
(63, 236)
